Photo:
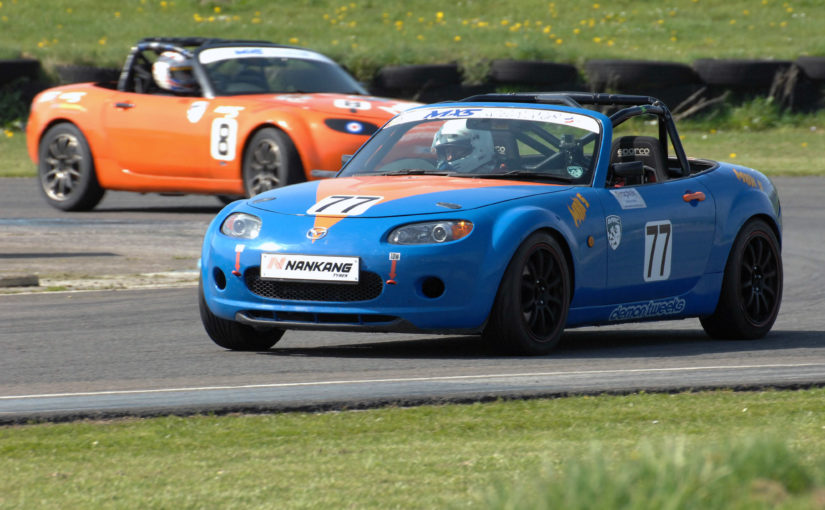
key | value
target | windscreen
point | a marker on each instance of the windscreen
(528, 143)
(265, 70)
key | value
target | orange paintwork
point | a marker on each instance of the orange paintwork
(389, 188)
(165, 143)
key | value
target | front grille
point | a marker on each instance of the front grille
(369, 286)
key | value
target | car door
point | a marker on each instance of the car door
(659, 236)
(159, 135)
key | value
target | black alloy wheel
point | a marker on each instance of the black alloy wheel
(530, 310)
(752, 287)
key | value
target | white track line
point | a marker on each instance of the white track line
(404, 380)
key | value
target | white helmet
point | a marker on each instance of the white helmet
(173, 71)
(462, 149)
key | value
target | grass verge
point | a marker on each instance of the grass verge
(692, 450)
(366, 35)
(792, 147)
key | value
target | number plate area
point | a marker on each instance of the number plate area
(312, 268)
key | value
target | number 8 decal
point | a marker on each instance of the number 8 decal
(658, 243)
(224, 138)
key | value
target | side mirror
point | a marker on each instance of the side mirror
(345, 158)
(628, 169)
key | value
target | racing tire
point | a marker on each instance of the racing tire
(753, 75)
(534, 72)
(232, 335)
(638, 76)
(751, 287)
(66, 170)
(813, 67)
(416, 76)
(530, 310)
(270, 161)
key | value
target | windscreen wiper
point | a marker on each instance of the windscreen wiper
(526, 174)
(415, 171)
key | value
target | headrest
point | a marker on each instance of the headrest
(646, 149)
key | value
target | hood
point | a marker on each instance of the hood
(384, 196)
(341, 104)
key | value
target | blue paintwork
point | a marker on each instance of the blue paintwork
(609, 282)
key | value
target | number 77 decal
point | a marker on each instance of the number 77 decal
(658, 243)
(343, 205)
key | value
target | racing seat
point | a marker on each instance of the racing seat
(506, 150)
(646, 149)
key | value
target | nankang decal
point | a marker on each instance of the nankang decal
(613, 224)
(628, 198)
(578, 209)
(343, 205)
(648, 310)
(658, 243)
(309, 267)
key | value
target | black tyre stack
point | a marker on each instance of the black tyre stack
(428, 83)
(671, 82)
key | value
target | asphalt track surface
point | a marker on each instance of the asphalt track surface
(143, 351)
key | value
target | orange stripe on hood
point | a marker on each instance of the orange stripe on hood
(395, 187)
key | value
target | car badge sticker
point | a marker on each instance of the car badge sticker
(316, 233)
(613, 224)
(629, 198)
(578, 209)
(355, 127)
(575, 171)
(196, 111)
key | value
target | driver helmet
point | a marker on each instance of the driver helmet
(173, 71)
(461, 149)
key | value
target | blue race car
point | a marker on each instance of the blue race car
(512, 216)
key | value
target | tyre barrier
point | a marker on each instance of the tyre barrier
(755, 76)
(19, 68)
(797, 85)
(80, 74)
(538, 73)
(676, 84)
(417, 76)
(634, 76)
(813, 67)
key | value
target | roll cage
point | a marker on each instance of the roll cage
(631, 106)
(136, 75)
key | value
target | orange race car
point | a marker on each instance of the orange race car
(197, 115)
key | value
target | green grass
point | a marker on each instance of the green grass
(463, 456)
(792, 146)
(366, 34)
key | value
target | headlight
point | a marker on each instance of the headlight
(431, 232)
(241, 225)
